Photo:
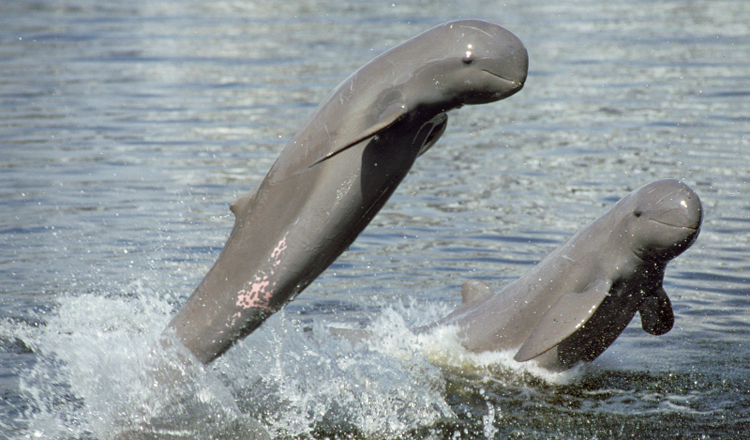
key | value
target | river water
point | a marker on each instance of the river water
(127, 128)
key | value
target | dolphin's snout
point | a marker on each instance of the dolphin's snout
(680, 207)
(515, 68)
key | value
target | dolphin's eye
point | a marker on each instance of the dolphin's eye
(468, 57)
(637, 213)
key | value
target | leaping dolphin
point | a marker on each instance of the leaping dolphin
(339, 169)
(573, 304)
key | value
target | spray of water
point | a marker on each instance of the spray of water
(100, 370)
(104, 370)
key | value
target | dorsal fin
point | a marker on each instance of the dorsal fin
(241, 207)
(243, 203)
(475, 290)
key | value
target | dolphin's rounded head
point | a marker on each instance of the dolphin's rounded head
(478, 62)
(663, 219)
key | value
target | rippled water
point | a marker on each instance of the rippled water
(127, 128)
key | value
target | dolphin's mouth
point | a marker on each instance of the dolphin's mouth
(505, 88)
(691, 228)
(516, 83)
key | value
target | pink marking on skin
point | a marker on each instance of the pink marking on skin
(257, 293)
(280, 247)
(233, 320)
(257, 296)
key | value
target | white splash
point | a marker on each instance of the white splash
(97, 374)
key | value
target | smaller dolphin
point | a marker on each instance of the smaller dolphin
(573, 304)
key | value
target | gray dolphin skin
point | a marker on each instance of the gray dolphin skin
(339, 169)
(573, 304)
